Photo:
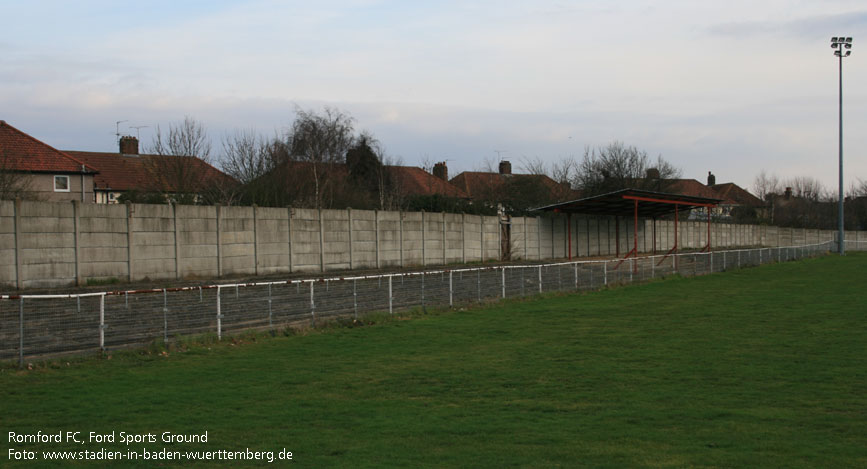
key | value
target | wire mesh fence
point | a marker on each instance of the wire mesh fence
(46, 325)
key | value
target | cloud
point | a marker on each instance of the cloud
(807, 28)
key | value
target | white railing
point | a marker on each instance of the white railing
(45, 325)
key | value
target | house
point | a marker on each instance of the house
(740, 199)
(732, 197)
(127, 171)
(334, 185)
(516, 191)
(33, 169)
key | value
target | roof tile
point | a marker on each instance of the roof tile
(21, 152)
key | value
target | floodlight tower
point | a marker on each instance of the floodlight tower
(841, 46)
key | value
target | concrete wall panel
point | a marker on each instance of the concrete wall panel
(103, 270)
(103, 254)
(7, 208)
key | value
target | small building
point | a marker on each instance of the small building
(35, 170)
(128, 171)
(504, 186)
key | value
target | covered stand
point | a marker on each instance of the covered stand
(638, 203)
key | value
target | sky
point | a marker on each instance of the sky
(734, 87)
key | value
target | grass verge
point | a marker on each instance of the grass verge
(758, 367)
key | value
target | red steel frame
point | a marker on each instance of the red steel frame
(634, 251)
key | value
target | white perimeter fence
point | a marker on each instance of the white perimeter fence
(45, 325)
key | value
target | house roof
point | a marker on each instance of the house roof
(410, 180)
(126, 172)
(734, 192)
(21, 152)
(481, 184)
(416, 181)
(693, 188)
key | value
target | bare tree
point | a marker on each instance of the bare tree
(809, 188)
(186, 138)
(180, 161)
(618, 166)
(321, 140)
(390, 189)
(427, 163)
(13, 183)
(246, 156)
(534, 165)
(565, 171)
(488, 165)
(765, 184)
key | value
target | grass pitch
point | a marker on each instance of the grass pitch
(758, 367)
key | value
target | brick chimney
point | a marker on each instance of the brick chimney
(788, 193)
(441, 171)
(505, 167)
(711, 179)
(128, 145)
(652, 173)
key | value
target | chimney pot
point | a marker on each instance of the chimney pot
(711, 179)
(128, 145)
(788, 193)
(441, 171)
(505, 167)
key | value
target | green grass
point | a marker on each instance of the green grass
(758, 367)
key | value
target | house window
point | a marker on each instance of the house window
(111, 196)
(61, 183)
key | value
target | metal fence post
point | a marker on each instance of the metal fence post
(355, 297)
(540, 279)
(102, 322)
(576, 275)
(313, 305)
(219, 316)
(479, 283)
(165, 317)
(451, 291)
(21, 332)
(423, 308)
(270, 313)
(504, 282)
(739, 259)
(390, 308)
(605, 273)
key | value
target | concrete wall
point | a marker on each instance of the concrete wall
(45, 244)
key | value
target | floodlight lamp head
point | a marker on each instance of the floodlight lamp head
(848, 46)
(849, 40)
(848, 53)
(837, 53)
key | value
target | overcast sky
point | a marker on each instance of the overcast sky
(731, 86)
